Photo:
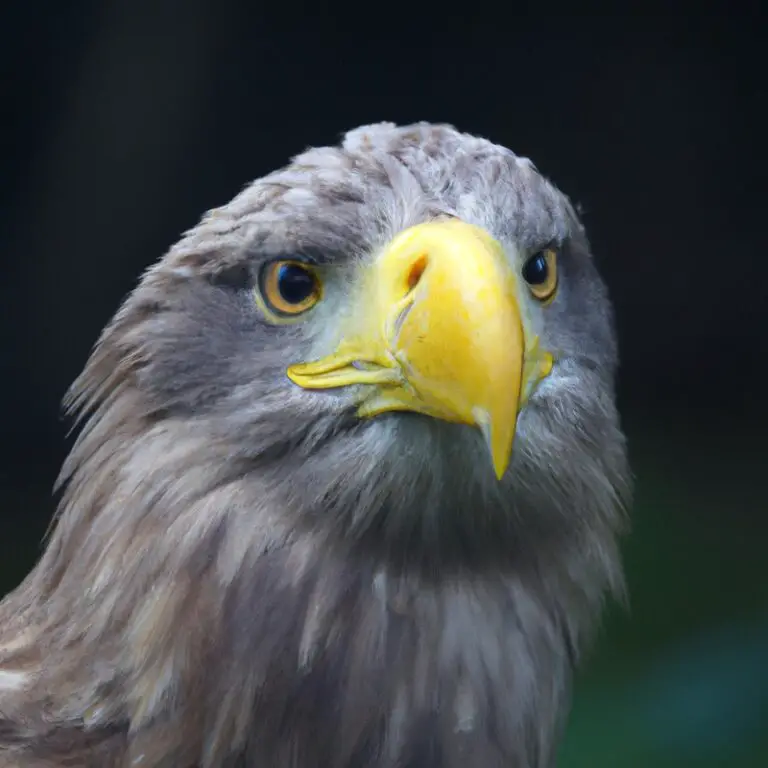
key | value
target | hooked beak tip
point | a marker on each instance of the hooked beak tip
(499, 444)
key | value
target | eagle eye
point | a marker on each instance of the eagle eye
(540, 272)
(288, 288)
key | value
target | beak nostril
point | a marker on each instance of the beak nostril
(417, 270)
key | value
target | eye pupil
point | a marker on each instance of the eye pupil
(295, 283)
(536, 269)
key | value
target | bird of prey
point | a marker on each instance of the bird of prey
(349, 485)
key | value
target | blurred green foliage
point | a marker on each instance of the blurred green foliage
(679, 678)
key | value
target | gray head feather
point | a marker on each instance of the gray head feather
(244, 574)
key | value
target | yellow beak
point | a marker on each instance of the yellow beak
(438, 330)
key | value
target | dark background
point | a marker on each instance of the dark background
(124, 120)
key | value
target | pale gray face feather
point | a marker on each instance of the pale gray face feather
(211, 358)
(208, 493)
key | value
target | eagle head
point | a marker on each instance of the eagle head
(348, 486)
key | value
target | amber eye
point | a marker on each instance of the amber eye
(289, 288)
(540, 272)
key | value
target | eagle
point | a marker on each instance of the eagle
(349, 485)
